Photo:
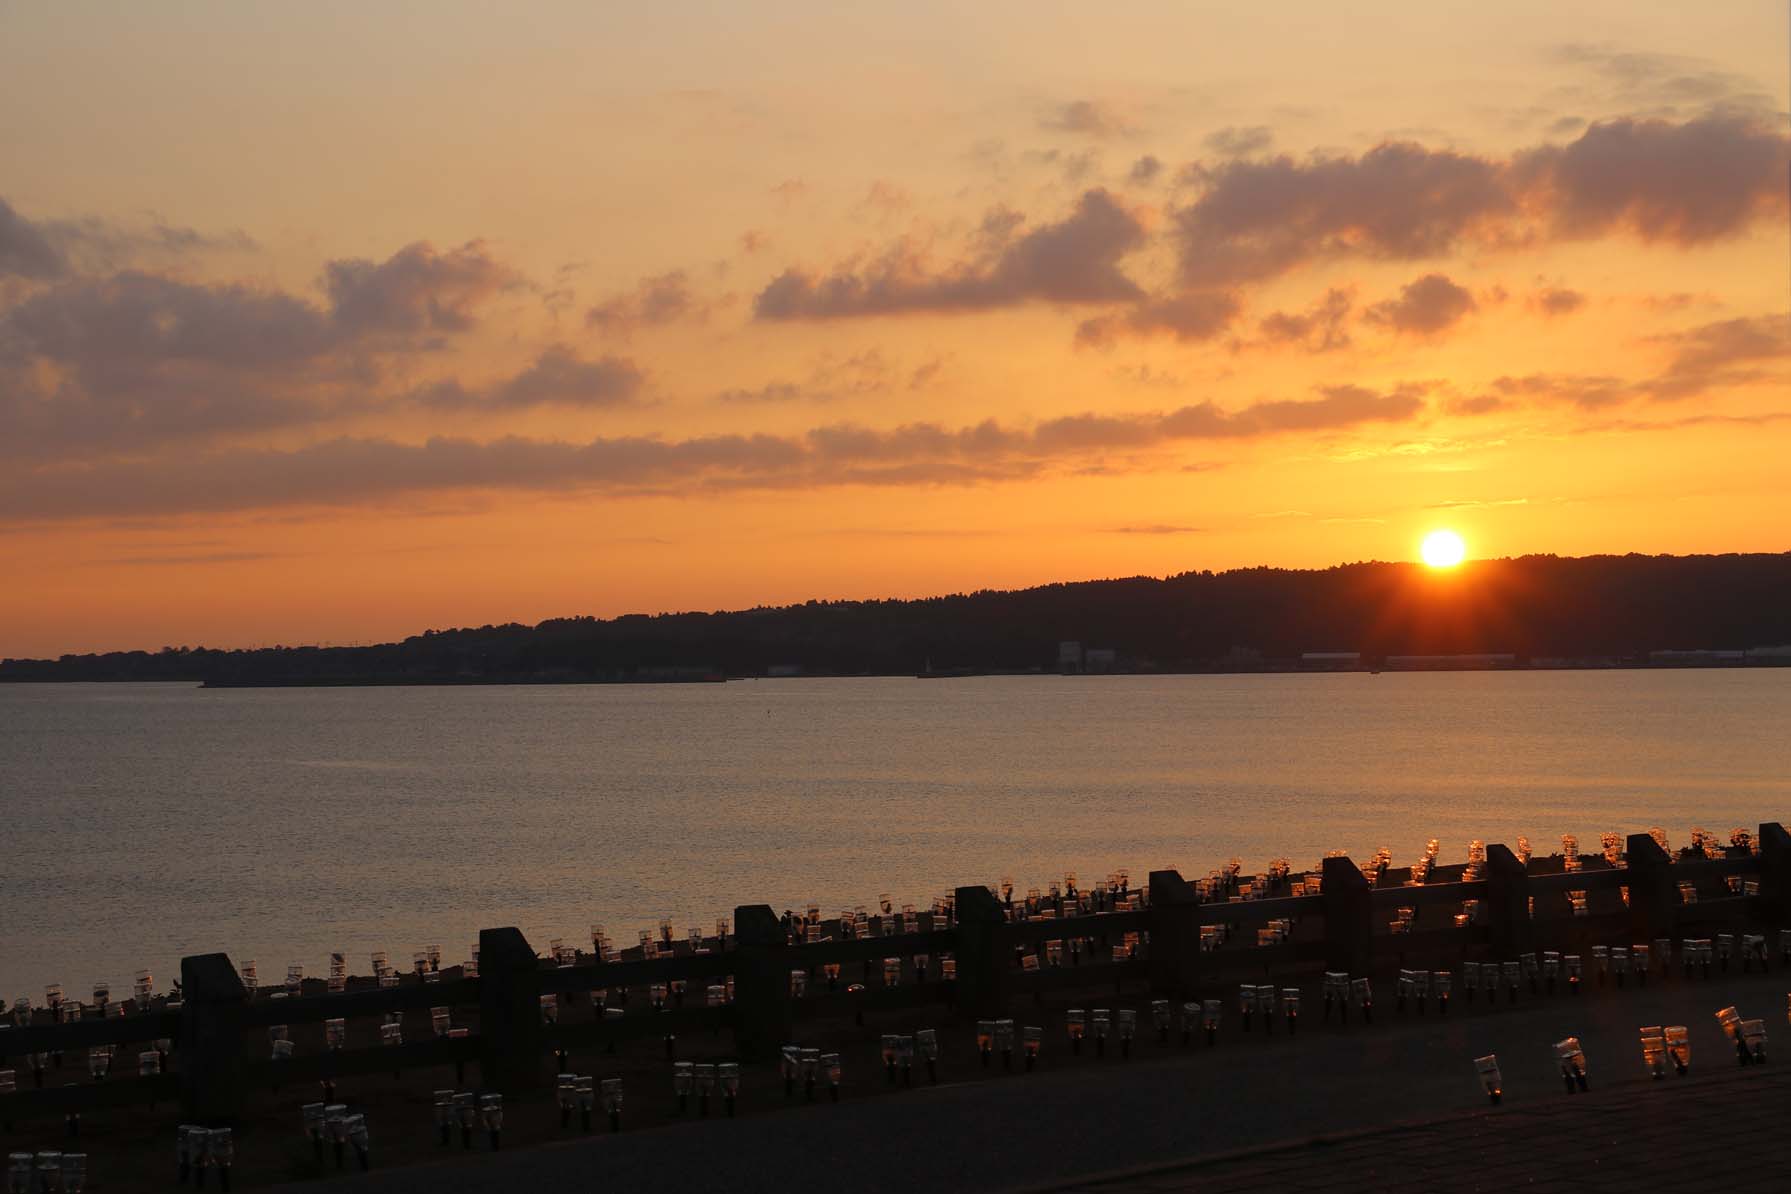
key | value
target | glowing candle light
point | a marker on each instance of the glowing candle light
(1491, 1081)
(1572, 1060)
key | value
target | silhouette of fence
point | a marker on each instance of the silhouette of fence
(1348, 925)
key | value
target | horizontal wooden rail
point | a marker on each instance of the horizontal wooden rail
(370, 1002)
(346, 1063)
(1588, 881)
(1237, 912)
(601, 976)
(1109, 924)
(1425, 895)
(636, 1026)
(872, 949)
(84, 1034)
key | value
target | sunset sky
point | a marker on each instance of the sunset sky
(334, 322)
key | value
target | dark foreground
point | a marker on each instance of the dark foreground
(1390, 1106)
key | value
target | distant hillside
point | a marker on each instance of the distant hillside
(1536, 607)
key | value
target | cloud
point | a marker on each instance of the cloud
(1145, 169)
(135, 320)
(1668, 83)
(416, 289)
(1337, 408)
(46, 250)
(1588, 392)
(1157, 528)
(1425, 307)
(1075, 260)
(886, 197)
(347, 471)
(1191, 317)
(558, 377)
(24, 250)
(1089, 118)
(831, 378)
(1398, 201)
(659, 299)
(1240, 142)
(1478, 404)
(127, 360)
(1713, 355)
(1763, 419)
(1477, 503)
(1682, 184)
(1319, 328)
(1726, 352)
(1557, 300)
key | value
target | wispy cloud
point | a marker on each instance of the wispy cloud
(348, 471)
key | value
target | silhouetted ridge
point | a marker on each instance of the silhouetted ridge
(1615, 609)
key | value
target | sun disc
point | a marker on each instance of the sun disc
(1443, 549)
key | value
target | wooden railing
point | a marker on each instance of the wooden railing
(1347, 926)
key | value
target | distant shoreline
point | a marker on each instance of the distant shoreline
(1276, 669)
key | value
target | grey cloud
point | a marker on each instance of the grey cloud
(1667, 82)
(133, 358)
(1158, 528)
(134, 319)
(1685, 184)
(1557, 300)
(1478, 404)
(769, 393)
(1073, 261)
(416, 289)
(1088, 118)
(1195, 316)
(1240, 142)
(353, 471)
(1585, 392)
(1701, 359)
(24, 250)
(1145, 169)
(1319, 328)
(1727, 352)
(1337, 408)
(46, 250)
(660, 299)
(831, 378)
(558, 377)
(1398, 201)
(1425, 307)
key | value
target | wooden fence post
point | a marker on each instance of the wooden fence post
(1775, 873)
(983, 959)
(761, 955)
(1653, 899)
(511, 1043)
(1349, 917)
(213, 1080)
(1174, 934)
(1509, 927)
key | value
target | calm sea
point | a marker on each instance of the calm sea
(144, 822)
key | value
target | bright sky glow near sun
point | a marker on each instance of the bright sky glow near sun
(1443, 549)
(333, 321)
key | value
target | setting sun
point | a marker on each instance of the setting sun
(1443, 549)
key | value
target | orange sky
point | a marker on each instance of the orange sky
(327, 324)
